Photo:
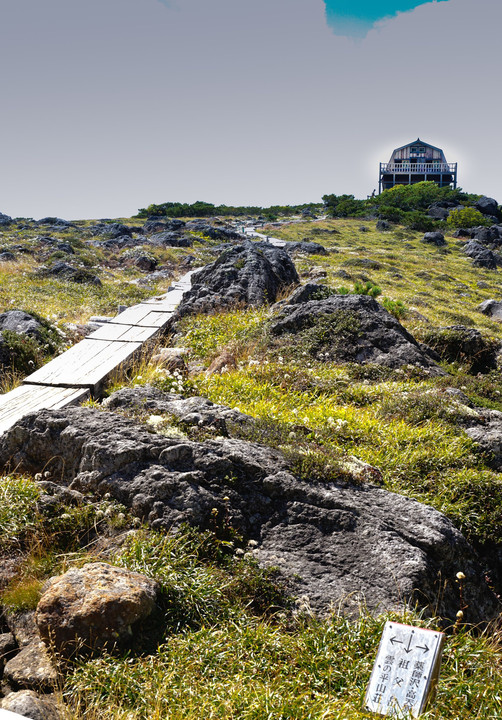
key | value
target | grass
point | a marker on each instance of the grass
(251, 669)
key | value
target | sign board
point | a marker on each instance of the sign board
(8, 715)
(405, 672)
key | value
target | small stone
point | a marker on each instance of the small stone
(30, 705)
(31, 669)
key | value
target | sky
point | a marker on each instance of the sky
(110, 105)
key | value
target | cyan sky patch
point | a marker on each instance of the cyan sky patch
(355, 17)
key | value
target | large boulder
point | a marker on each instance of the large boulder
(349, 328)
(487, 206)
(247, 274)
(481, 256)
(486, 235)
(492, 308)
(335, 543)
(94, 607)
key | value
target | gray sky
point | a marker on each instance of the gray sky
(110, 105)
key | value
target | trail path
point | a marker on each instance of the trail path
(81, 371)
(75, 375)
(251, 232)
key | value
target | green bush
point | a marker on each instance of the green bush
(367, 288)
(466, 217)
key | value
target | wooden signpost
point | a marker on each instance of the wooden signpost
(405, 672)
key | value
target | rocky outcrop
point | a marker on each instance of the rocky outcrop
(481, 256)
(335, 543)
(94, 607)
(349, 328)
(191, 412)
(248, 274)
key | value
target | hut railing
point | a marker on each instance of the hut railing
(407, 167)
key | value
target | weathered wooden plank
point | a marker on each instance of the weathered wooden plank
(86, 364)
(125, 333)
(143, 316)
(30, 398)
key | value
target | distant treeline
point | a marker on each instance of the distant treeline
(204, 209)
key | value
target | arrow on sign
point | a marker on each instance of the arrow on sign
(425, 649)
(408, 649)
(394, 640)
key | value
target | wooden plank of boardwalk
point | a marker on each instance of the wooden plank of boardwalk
(71, 377)
(144, 315)
(29, 398)
(87, 364)
(125, 333)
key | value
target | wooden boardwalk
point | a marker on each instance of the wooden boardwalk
(82, 370)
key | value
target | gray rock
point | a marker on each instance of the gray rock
(481, 256)
(146, 262)
(66, 248)
(22, 626)
(21, 323)
(7, 256)
(462, 233)
(309, 291)
(30, 705)
(31, 669)
(70, 273)
(250, 274)
(438, 212)
(160, 224)
(8, 646)
(350, 328)
(227, 234)
(5, 220)
(486, 431)
(335, 543)
(487, 206)
(383, 225)
(492, 308)
(306, 247)
(434, 238)
(111, 230)
(193, 411)
(54, 221)
(171, 239)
